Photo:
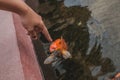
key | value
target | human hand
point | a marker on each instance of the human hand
(34, 24)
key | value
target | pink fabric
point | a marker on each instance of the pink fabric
(17, 56)
(10, 63)
(28, 59)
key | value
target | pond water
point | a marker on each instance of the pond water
(87, 40)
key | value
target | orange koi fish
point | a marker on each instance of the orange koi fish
(59, 45)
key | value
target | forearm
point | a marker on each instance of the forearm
(17, 6)
(29, 18)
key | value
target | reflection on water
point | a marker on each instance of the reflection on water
(83, 35)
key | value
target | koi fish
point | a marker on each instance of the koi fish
(117, 77)
(60, 45)
(57, 48)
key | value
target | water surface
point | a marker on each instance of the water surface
(87, 40)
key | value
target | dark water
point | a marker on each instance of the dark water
(83, 35)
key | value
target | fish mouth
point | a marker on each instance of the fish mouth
(52, 48)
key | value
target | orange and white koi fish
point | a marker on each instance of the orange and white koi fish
(58, 45)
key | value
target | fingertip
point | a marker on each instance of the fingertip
(47, 35)
(50, 39)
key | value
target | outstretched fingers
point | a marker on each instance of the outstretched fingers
(35, 30)
(46, 33)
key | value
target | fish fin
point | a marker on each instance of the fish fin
(66, 54)
(49, 59)
(61, 37)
